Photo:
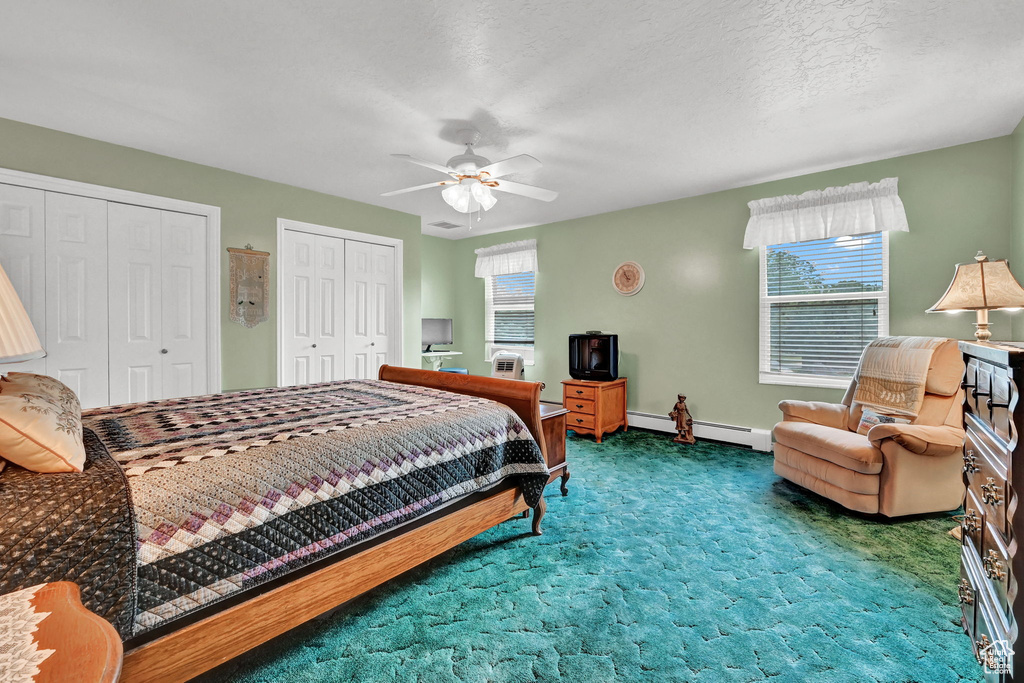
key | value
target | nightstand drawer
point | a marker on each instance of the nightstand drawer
(576, 391)
(579, 420)
(579, 405)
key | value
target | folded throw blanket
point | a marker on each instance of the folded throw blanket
(892, 373)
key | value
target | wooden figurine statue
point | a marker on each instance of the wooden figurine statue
(684, 422)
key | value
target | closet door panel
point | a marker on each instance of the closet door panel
(383, 263)
(135, 287)
(23, 257)
(358, 310)
(184, 304)
(298, 308)
(329, 324)
(76, 295)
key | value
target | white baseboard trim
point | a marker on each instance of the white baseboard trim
(757, 439)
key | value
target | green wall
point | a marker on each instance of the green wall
(1017, 257)
(693, 329)
(250, 208)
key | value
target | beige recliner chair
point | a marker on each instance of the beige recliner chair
(895, 469)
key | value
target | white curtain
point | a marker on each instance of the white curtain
(835, 211)
(506, 259)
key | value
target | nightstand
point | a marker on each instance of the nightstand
(85, 647)
(552, 420)
(595, 407)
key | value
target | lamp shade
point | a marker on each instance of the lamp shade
(980, 286)
(18, 339)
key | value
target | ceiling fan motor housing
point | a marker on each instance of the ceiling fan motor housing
(468, 163)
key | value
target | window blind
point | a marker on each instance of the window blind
(510, 313)
(822, 302)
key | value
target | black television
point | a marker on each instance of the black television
(436, 331)
(594, 357)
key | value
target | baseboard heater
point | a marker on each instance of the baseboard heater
(757, 439)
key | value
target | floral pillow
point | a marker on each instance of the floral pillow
(40, 424)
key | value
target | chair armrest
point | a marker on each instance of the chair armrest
(817, 412)
(920, 439)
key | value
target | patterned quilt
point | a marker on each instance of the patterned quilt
(229, 491)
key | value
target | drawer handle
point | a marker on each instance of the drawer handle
(579, 405)
(980, 646)
(971, 523)
(970, 462)
(579, 420)
(965, 592)
(579, 391)
(992, 405)
(990, 492)
(993, 567)
(975, 393)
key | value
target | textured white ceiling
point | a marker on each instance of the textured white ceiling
(626, 103)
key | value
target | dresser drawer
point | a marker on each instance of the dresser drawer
(995, 565)
(991, 641)
(987, 480)
(579, 405)
(576, 391)
(973, 523)
(579, 420)
(967, 590)
(981, 433)
(989, 392)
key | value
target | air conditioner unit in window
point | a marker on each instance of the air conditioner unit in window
(508, 366)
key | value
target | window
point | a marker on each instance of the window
(509, 314)
(822, 302)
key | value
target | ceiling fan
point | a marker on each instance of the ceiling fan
(472, 177)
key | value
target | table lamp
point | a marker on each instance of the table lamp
(18, 339)
(981, 286)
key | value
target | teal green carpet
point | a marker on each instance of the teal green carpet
(665, 563)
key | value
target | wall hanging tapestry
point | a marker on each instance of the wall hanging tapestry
(250, 285)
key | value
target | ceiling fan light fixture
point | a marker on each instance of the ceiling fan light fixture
(482, 194)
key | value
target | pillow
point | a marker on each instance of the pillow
(869, 418)
(40, 424)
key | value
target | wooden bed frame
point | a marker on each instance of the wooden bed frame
(198, 647)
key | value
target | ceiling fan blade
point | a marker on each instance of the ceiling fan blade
(523, 163)
(525, 190)
(418, 187)
(424, 162)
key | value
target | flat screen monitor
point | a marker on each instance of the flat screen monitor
(436, 331)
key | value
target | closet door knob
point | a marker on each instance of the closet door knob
(163, 350)
(314, 346)
(373, 343)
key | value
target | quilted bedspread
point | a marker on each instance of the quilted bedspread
(229, 491)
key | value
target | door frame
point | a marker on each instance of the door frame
(152, 201)
(327, 231)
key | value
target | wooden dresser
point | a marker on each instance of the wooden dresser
(595, 407)
(994, 478)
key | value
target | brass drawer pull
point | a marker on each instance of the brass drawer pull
(990, 493)
(971, 523)
(965, 592)
(970, 462)
(982, 646)
(993, 567)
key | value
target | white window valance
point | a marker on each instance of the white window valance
(854, 209)
(506, 259)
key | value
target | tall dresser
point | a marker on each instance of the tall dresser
(990, 566)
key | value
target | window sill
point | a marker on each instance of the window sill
(815, 381)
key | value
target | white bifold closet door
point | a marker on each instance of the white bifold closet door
(369, 297)
(23, 257)
(76, 292)
(157, 298)
(312, 308)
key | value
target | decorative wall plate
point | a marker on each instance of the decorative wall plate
(628, 278)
